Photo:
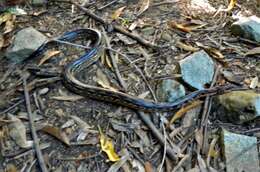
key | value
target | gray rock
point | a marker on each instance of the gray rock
(197, 69)
(247, 27)
(25, 43)
(240, 152)
(170, 90)
(240, 106)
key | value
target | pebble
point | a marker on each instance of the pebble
(240, 152)
(170, 90)
(197, 69)
(247, 27)
(26, 42)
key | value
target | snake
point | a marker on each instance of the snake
(92, 55)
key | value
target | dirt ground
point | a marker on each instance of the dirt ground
(64, 118)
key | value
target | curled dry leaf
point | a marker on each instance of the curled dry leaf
(57, 133)
(17, 132)
(117, 13)
(108, 147)
(47, 56)
(144, 6)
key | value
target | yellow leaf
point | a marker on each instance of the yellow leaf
(117, 13)
(231, 5)
(108, 147)
(144, 6)
(47, 56)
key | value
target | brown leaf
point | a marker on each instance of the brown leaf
(199, 137)
(186, 47)
(144, 6)
(181, 27)
(255, 51)
(57, 133)
(117, 13)
(47, 56)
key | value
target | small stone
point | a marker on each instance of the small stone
(166, 36)
(26, 42)
(247, 27)
(170, 90)
(240, 106)
(197, 69)
(240, 152)
(148, 31)
(43, 91)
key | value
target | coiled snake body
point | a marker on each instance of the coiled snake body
(120, 98)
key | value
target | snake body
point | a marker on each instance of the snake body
(92, 55)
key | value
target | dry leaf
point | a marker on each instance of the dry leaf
(108, 147)
(103, 81)
(71, 98)
(117, 13)
(254, 83)
(57, 133)
(47, 56)
(17, 132)
(9, 26)
(185, 109)
(231, 5)
(5, 17)
(255, 51)
(186, 47)
(181, 27)
(199, 137)
(144, 6)
(2, 41)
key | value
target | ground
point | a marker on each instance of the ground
(59, 108)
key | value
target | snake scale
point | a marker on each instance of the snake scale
(91, 56)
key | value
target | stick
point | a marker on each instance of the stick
(33, 130)
(118, 75)
(170, 152)
(117, 28)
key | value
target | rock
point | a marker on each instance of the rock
(240, 152)
(240, 106)
(247, 27)
(26, 42)
(170, 90)
(197, 69)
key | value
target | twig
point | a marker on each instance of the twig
(170, 152)
(33, 130)
(117, 27)
(165, 146)
(107, 5)
(121, 81)
(206, 110)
